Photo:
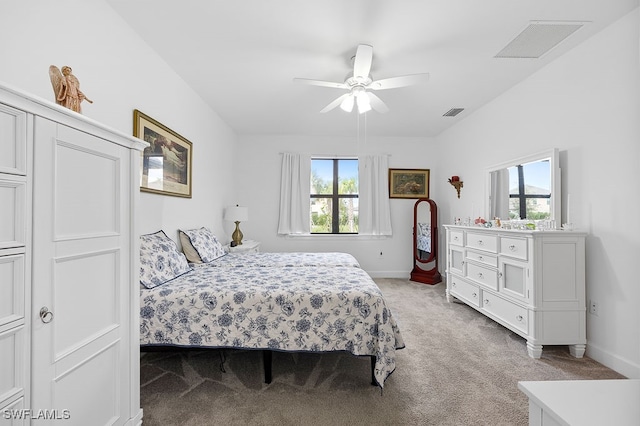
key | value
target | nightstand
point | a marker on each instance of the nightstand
(247, 246)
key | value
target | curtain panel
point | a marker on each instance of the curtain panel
(295, 187)
(375, 213)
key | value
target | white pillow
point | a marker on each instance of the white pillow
(160, 260)
(200, 245)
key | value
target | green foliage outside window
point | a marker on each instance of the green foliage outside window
(334, 202)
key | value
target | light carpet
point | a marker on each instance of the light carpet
(458, 368)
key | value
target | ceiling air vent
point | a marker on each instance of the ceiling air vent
(453, 112)
(538, 38)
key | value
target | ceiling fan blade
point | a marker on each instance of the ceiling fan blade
(320, 83)
(335, 103)
(377, 104)
(402, 81)
(362, 63)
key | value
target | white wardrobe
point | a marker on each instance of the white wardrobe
(68, 267)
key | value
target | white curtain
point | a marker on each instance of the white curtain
(374, 211)
(295, 187)
(500, 194)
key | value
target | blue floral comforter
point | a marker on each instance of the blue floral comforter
(313, 309)
(282, 260)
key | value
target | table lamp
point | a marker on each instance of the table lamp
(236, 214)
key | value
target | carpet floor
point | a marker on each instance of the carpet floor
(458, 368)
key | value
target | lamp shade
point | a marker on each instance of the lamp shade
(236, 214)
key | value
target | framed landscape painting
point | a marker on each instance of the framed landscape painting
(408, 183)
(166, 163)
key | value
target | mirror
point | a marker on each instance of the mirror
(525, 188)
(425, 242)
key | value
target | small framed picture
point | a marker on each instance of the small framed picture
(408, 183)
(166, 163)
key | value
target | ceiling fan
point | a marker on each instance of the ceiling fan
(360, 84)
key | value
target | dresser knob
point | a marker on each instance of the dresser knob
(512, 247)
(480, 242)
(520, 318)
(480, 258)
(486, 301)
(480, 275)
(474, 295)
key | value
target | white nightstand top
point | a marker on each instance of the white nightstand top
(247, 245)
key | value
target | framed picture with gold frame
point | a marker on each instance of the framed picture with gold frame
(408, 183)
(166, 163)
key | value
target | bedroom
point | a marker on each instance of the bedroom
(585, 103)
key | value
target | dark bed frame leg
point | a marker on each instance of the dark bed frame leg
(373, 371)
(266, 359)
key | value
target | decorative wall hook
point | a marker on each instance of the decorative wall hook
(457, 183)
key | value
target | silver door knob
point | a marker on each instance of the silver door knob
(46, 316)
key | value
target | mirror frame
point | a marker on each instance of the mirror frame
(419, 274)
(556, 177)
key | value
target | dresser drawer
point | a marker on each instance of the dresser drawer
(483, 275)
(13, 199)
(514, 247)
(484, 258)
(509, 312)
(482, 242)
(464, 290)
(12, 366)
(11, 287)
(456, 237)
(13, 141)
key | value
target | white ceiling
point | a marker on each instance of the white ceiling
(241, 55)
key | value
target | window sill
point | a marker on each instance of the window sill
(335, 236)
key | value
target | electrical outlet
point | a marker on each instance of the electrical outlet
(593, 307)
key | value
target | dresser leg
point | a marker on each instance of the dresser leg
(449, 296)
(534, 351)
(577, 350)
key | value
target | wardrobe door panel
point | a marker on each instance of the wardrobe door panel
(82, 262)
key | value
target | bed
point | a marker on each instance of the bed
(281, 260)
(300, 306)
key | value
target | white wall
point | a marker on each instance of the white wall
(587, 104)
(257, 175)
(120, 73)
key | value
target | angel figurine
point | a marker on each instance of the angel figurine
(66, 87)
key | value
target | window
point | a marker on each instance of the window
(530, 191)
(334, 196)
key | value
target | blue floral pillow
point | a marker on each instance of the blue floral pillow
(160, 260)
(200, 245)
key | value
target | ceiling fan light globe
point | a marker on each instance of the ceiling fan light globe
(347, 104)
(364, 104)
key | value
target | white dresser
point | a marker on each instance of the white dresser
(531, 282)
(69, 300)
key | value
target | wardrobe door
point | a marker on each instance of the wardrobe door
(81, 271)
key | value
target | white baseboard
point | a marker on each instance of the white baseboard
(623, 366)
(389, 274)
